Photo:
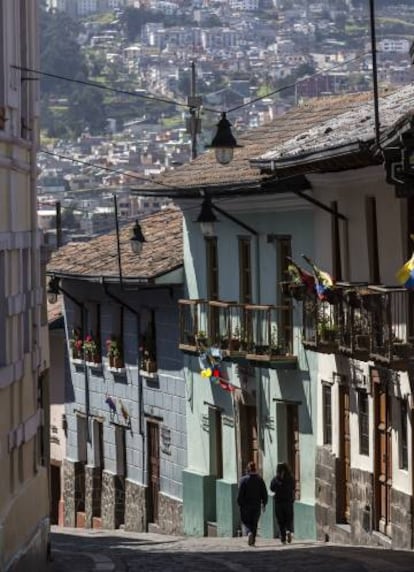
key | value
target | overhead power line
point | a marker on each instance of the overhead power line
(102, 167)
(292, 85)
(102, 86)
(186, 105)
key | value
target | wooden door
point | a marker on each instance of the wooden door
(293, 450)
(153, 434)
(383, 456)
(344, 462)
(249, 441)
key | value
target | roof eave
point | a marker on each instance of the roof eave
(337, 152)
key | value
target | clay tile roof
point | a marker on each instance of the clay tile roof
(352, 126)
(162, 252)
(206, 171)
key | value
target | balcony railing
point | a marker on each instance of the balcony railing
(366, 322)
(255, 332)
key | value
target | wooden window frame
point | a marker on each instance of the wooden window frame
(327, 417)
(363, 423)
(336, 243)
(372, 240)
(245, 270)
(212, 269)
(403, 435)
(284, 249)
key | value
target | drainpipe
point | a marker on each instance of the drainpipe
(140, 389)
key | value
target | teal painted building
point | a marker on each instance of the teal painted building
(269, 414)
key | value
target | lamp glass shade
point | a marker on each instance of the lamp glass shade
(207, 228)
(224, 155)
(136, 246)
(52, 297)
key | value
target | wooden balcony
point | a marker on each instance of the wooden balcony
(253, 332)
(365, 322)
(320, 325)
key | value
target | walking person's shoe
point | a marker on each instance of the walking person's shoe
(289, 537)
(250, 539)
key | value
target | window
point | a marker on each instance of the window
(82, 436)
(327, 413)
(120, 451)
(336, 243)
(212, 268)
(372, 239)
(284, 250)
(403, 435)
(216, 447)
(245, 271)
(363, 405)
(98, 446)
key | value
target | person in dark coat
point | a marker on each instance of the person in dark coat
(283, 485)
(252, 496)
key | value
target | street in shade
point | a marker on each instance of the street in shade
(117, 551)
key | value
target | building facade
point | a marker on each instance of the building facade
(24, 359)
(364, 461)
(125, 390)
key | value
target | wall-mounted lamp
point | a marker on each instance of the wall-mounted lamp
(224, 141)
(137, 239)
(399, 165)
(207, 218)
(53, 290)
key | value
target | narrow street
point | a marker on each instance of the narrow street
(75, 550)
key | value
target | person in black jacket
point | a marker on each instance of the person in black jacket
(283, 485)
(251, 497)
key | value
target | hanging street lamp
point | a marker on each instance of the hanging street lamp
(207, 218)
(224, 141)
(137, 239)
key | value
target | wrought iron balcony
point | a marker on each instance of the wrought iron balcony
(366, 322)
(255, 332)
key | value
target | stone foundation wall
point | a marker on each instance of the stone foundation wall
(93, 494)
(325, 493)
(362, 507)
(113, 500)
(361, 530)
(73, 490)
(170, 516)
(135, 507)
(402, 520)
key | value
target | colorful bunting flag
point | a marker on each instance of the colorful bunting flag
(324, 284)
(405, 274)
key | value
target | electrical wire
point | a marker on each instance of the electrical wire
(102, 167)
(102, 86)
(292, 85)
(186, 105)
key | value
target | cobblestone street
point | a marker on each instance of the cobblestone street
(76, 550)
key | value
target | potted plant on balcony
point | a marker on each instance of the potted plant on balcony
(148, 361)
(275, 349)
(76, 344)
(327, 331)
(401, 349)
(235, 340)
(114, 352)
(91, 350)
(201, 338)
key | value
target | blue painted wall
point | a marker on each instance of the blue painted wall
(164, 399)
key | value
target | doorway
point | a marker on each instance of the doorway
(383, 454)
(344, 462)
(153, 433)
(249, 442)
